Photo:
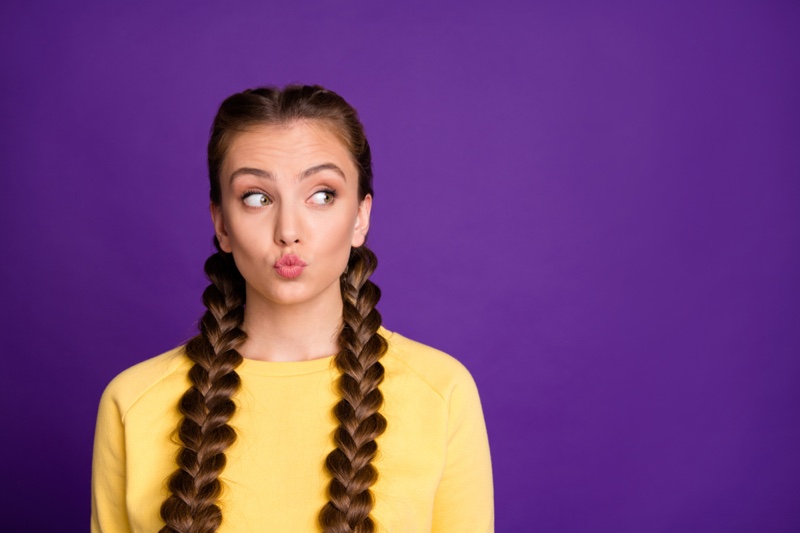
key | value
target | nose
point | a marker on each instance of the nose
(287, 226)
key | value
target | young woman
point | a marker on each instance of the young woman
(293, 410)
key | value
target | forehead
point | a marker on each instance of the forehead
(291, 148)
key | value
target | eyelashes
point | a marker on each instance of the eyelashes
(256, 199)
(323, 197)
(260, 199)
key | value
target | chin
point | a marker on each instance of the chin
(295, 292)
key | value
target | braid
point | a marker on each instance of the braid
(360, 423)
(207, 405)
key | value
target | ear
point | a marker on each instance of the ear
(219, 227)
(362, 222)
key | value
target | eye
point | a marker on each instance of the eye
(323, 197)
(256, 199)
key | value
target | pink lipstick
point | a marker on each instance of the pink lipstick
(289, 266)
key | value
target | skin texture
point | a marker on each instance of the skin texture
(274, 210)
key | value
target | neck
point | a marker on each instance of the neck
(298, 332)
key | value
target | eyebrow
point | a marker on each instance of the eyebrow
(266, 174)
(319, 168)
(253, 172)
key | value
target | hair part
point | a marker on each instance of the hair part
(207, 406)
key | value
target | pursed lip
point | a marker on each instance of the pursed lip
(289, 266)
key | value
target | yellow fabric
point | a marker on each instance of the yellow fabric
(433, 460)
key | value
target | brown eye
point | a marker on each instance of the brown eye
(256, 199)
(323, 197)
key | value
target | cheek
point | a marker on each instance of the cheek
(249, 242)
(334, 237)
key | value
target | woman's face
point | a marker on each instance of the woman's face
(290, 212)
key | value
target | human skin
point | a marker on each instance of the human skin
(290, 190)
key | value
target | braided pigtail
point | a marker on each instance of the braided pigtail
(207, 405)
(360, 423)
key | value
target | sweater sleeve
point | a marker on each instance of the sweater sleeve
(464, 500)
(109, 513)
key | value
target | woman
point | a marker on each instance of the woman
(293, 409)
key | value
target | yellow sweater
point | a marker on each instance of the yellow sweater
(434, 472)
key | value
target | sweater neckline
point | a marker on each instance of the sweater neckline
(293, 368)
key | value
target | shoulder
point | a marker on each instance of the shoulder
(132, 384)
(440, 371)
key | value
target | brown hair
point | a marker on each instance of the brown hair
(207, 406)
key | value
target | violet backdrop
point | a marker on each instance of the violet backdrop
(593, 205)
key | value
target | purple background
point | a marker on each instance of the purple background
(593, 205)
